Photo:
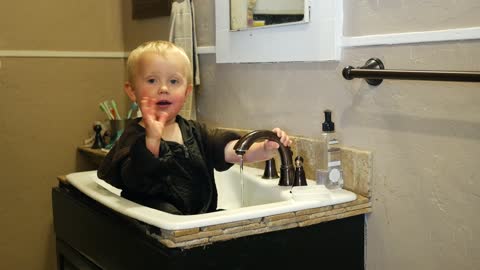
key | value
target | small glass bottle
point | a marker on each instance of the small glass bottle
(330, 171)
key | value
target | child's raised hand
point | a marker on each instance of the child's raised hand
(154, 122)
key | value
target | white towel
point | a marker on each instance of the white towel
(182, 32)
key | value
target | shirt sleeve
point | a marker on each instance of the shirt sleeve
(215, 144)
(130, 165)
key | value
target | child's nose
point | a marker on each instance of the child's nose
(163, 89)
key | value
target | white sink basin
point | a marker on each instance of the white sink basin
(262, 198)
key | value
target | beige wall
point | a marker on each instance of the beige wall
(61, 25)
(425, 136)
(49, 105)
(370, 17)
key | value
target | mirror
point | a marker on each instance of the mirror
(316, 41)
(248, 14)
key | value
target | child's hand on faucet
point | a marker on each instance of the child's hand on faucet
(284, 139)
(258, 151)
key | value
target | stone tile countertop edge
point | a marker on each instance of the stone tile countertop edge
(195, 237)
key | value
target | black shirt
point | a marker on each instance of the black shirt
(180, 180)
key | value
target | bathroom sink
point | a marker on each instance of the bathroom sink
(256, 190)
(261, 198)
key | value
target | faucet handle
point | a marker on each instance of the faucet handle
(299, 179)
(270, 171)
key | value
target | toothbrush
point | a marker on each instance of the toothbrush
(115, 110)
(105, 110)
(109, 109)
(133, 107)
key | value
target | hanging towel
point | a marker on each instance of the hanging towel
(183, 34)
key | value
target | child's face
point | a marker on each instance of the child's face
(161, 78)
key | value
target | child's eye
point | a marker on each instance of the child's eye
(152, 81)
(173, 81)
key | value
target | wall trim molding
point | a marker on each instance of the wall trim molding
(80, 54)
(472, 33)
(206, 50)
(456, 34)
(61, 54)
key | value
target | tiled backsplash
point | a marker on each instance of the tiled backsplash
(356, 163)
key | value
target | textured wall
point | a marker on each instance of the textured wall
(425, 136)
(370, 17)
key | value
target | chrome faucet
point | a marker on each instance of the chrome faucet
(287, 171)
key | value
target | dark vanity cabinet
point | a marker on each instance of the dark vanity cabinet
(91, 236)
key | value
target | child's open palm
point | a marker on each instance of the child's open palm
(154, 122)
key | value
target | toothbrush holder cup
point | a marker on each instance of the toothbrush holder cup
(118, 126)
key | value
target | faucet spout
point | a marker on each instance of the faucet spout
(287, 171)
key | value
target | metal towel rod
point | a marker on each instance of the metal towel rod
(374, 72)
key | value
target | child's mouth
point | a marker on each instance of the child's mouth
(163, 103)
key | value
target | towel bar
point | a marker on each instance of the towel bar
(374, 72)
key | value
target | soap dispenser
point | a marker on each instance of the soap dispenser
(330, 171)
(98, 143)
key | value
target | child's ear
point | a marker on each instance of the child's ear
(189, 89)
(130, 91)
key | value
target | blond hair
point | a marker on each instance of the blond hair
(161, 48)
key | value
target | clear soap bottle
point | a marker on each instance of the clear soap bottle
(330, 171)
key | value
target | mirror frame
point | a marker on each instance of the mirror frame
(318, 40)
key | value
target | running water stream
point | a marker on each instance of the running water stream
(241, 181)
